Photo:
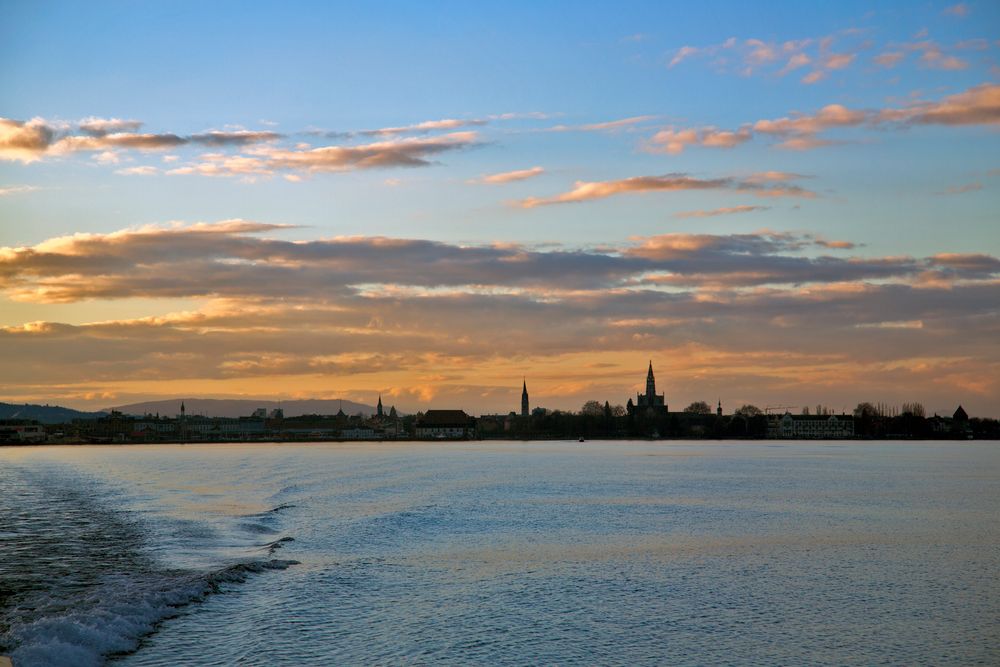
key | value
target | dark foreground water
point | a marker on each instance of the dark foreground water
(629, 553)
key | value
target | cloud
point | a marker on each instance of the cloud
(509, 176)
(961, 10)
(760, 52)
(329, 315)
(796, 61)
(427, 126)
(606, 126)
(934, 58)
(8, 190)
(962, 189)
(230, 259)
(265, 161)
(588, 191)
(138, 171)
(889, 59)
(410, 152)
(99, 127)
(673, 141)
(799, 131)
(838, 60)
(682, 54)
(24, 141)
(28, 141)
(979, 105)
(237, 138)
(730, 210)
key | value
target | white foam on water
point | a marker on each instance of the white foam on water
(112, 618)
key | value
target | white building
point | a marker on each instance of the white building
(810, 427)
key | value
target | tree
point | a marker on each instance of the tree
(699, 408)
(915, 409)
(592, 408)
(865, 411)
(619, 411)
(749, 411)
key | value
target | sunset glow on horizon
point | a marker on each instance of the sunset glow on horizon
(788, 207)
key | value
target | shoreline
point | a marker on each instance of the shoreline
(80, 443)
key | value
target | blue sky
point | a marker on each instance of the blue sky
(872, 125)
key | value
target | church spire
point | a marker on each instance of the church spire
(378, 409)
(524, 397)
(650, 383)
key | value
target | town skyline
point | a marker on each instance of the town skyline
(639, 401)
(786, 207)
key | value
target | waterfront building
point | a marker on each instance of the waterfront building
(445, 424)
(801, 427)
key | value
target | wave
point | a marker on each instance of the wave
(112, 618)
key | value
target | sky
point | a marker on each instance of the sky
(787, 204)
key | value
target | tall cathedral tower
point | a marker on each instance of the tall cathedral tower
(524, 398)
(650, 384)
(650, 403)
(378, 409)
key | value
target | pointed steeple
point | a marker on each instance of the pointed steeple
(650, 384)
(524, 397)
(378, 409)
(182, 407)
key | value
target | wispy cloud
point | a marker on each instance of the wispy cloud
(8, 190)
(889, 59)
(427, 126)
(265, 161)
(28, 141)
(138, 171)
(729, 210)
(962, 189)
(961, 10)
(509, 176)
(605, 126)
(673, 141)
(589, 191)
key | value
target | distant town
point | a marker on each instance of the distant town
(646, 417)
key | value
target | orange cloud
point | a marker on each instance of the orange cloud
(889, 59)
(24, 141)
(588, 191)
(674, 142)
(610, 125)
(730, 210)
(509, 176)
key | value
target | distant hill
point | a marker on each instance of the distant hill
(46, 414)
(224, 407)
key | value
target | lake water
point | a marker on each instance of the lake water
(624, 553)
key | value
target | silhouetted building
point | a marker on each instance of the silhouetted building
(820, 427)
(718, 410)
(378, 408)
(960, 415)
(649, 403)
(441, 424)
(524, 399)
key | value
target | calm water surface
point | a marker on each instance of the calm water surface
(627, 553)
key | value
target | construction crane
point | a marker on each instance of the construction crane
(787, 408)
